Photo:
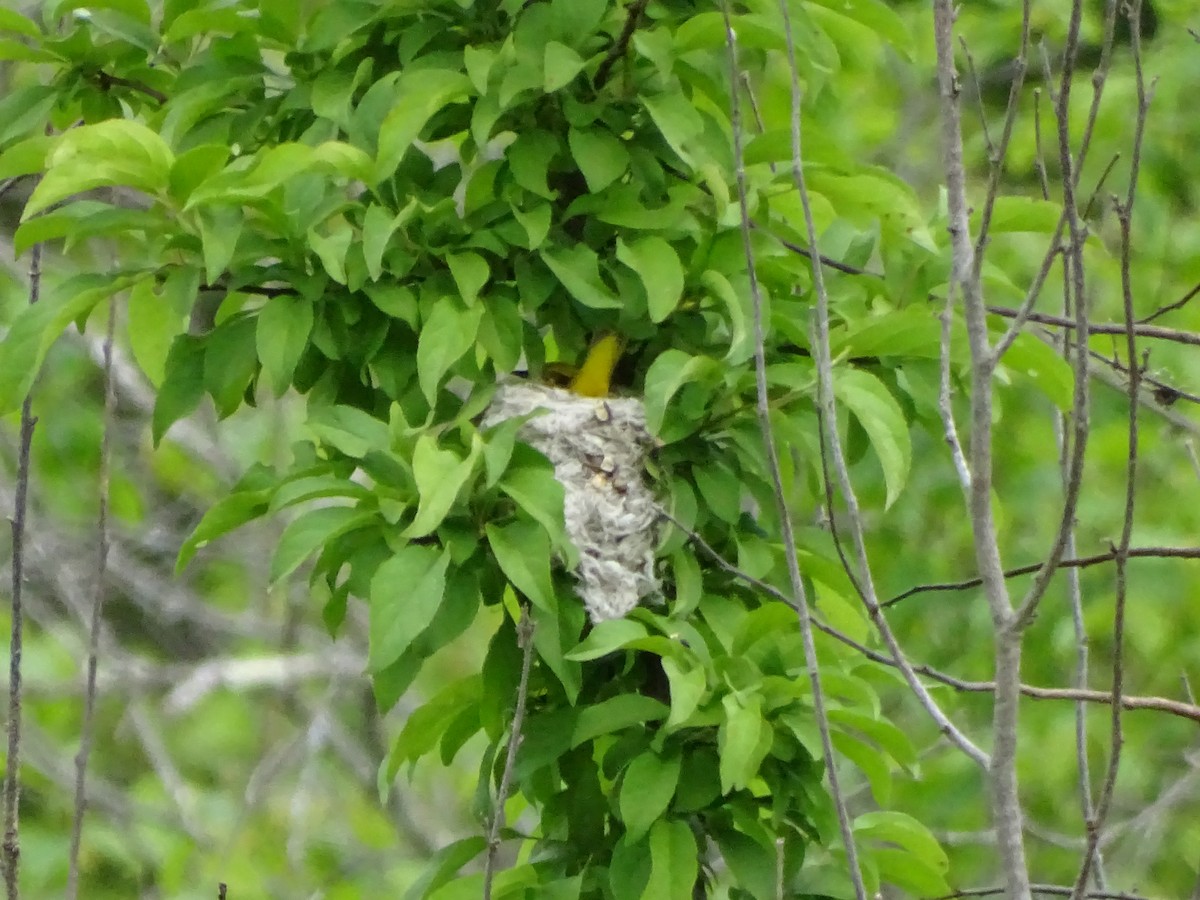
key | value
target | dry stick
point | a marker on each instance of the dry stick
(1189, 710)
(799, 599)
(1006, 807)
(525, 641)
(12, 769)
(1125, 216)
(98, 585)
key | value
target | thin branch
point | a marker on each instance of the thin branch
(799, 599)
(1082, 562)
(1171, 307)
(997, 155)
(525, 629)
(1006, 806)
(1125, 217)
(945, 404)
(99, 587)
(1055, 890)
(1189, 710)
(12, 769)
(1173, 335)
(107, 81)
(617, 50)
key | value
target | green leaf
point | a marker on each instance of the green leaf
(753, 865)
(352, 431)
(740, 741)
(440, 477)
(158, 318)
(738, 308)
(560, 67)
(607, 636)
(615, 714)
(182, 386)
(221, 518)
(445, 336)
(523, 552)
(379, 224)
(310, 531)
(405, 595)
(882, 419)
(25, 109)
(687, 690)
(37, 327)
(470, 272)
(420, 93)
(529, 159)
(331, 248)
(646, 791)
(600, 155)
(1045, 369)
(677, 120)
(220, 228)
(870, 762)
(11, 20)
(540, 494)
(657, 264)
(230, 361)
(673, 862)
(577, 269)
(114, 152)
(442, 866)
(27, 156)
(908, 873)
(284, 324)
(1020, 214)
(669, 372)
(903, 831)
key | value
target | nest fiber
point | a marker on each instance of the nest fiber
(598, 448)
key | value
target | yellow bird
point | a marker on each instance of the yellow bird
(594, 378)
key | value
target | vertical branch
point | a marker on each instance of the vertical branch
(99, 586)
(525, 641)
(1125, 217)
(12, 770)
(799, 595)
(1006, 808)
(831, 441)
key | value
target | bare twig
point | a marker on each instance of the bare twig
(525, 629)
(799, 599)
(99, 586)
(12, 769)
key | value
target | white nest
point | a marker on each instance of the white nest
(598, 448)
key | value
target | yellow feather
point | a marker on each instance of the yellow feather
(594, 377)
